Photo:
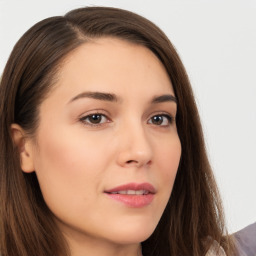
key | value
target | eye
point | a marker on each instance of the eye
(94, 119)
(161, 120)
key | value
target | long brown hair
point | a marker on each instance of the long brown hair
(193, 217)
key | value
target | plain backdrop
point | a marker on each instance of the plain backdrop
(217, 42)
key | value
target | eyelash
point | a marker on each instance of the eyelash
(169, 118)
(83, 119)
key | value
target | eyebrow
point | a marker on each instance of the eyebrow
(164, 98)
(114, 98)
(97, 96)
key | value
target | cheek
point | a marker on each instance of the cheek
(68, 168)
(168, 158)
(68, 152)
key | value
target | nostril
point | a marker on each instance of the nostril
(138, 163)
(130, 161)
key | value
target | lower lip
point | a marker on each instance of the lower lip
(135, 201)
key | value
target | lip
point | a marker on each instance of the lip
(134, 201)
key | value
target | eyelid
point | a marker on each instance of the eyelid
(83, 117)
(170, 117)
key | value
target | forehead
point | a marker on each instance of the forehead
(110, 64)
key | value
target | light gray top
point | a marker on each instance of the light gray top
(246, 240)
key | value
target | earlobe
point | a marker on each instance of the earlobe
(24, 146)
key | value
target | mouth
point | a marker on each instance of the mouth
(133, 189)
(130, 192)
(133, 194)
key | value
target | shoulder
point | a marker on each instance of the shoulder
(245, 240)
(216, 250)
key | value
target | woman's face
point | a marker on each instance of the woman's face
(107, 149)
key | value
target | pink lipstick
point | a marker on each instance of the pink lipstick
(133, 194)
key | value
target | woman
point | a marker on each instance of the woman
(102, 151)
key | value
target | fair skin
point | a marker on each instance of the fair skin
(133, 140)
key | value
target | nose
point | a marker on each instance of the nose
(135, 149)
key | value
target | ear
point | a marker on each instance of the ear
(25, 148)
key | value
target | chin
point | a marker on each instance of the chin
(131, 234)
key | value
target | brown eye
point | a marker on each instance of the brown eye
(161, 120)
(94, 119)
(158, 120)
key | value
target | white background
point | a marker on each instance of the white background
(217, 43)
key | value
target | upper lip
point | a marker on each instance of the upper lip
(133, 186)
